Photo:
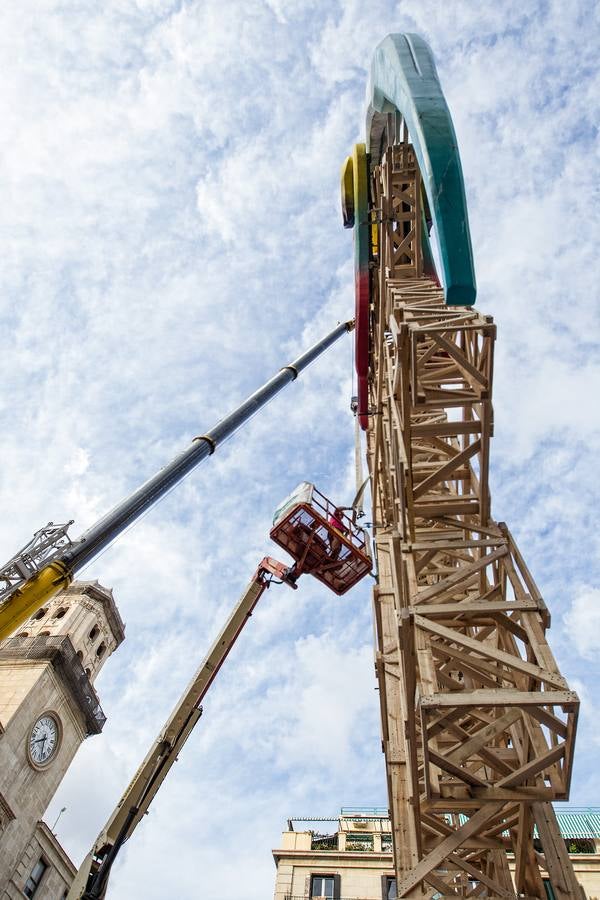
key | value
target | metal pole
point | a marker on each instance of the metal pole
(127, 511)
(64, 809)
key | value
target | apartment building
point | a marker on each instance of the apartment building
(349, 857)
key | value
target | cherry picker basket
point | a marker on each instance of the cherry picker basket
(306, 525)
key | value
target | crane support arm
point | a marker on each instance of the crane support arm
(23, 598)
(28, 598)
(92, 876)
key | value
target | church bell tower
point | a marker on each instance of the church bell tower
(48, 706)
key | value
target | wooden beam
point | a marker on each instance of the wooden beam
(445, 471)
(533, 767)
(501, 697)
(471, 607)
(508, 659)
(445, 848)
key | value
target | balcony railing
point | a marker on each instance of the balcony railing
(353, 844)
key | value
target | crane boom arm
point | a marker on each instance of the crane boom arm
(28, 580)
(93, 873)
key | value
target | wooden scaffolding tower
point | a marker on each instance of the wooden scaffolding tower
(478, 722)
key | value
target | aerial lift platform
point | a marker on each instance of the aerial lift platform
(324, 542)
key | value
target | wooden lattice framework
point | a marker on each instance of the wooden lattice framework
(478, 723)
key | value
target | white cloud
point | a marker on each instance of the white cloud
(583, 622)
(79, 462)
(332, 690)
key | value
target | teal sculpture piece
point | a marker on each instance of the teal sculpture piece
(404, 80)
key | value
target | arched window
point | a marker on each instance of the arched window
(44, 634)
(94, 633)
(40, 614)
(100, 650)
(88, 672)
(23, 634)
(80, 654)
(60, 613)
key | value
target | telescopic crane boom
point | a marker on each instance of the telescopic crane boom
(51, 560)
(92, 877)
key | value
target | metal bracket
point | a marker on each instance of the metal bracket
(45, 545)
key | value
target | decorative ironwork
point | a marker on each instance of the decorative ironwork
(59, 651)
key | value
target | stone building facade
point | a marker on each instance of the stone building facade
(48, 706)
(44, 870)
(352, 860)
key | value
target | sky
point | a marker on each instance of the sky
(172, 236)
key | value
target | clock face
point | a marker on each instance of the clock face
(44, 739)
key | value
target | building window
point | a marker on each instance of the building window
(88, 672)
(60, 613)
(23, 634)
(360, 842)
(325, 886)
(386, 843)
(6, 813)
(40, 614)
(324, 842)
(44, 634)
(94, 633)
(80, 654)
(33, 882)
(580, 845)
(100, 650)
(389, 887)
